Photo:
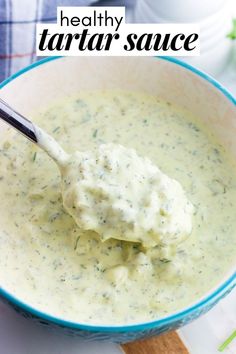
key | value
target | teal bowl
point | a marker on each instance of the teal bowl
(51, 79)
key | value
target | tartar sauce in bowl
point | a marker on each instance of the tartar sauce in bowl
(62, 267)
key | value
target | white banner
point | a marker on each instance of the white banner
(102, 31)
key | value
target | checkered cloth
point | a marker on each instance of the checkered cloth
(18, 20)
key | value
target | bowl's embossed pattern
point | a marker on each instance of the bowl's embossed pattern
(116, 337)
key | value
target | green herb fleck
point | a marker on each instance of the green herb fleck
(227, 342)
(56, 129)
(76, 242)
(54, 217)
(164, 260)
(232, 34)
(194, 127)
(34, 156)
(95, 133)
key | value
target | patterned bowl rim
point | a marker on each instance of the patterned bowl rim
(187, 312)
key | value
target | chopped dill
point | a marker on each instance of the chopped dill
(76, 242)
(95, 133)
(56, 129)
(34, 156)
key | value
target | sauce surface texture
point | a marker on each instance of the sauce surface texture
(46, 261)
(121, 195)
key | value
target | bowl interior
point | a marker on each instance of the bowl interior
(54, 80)
(37, 89)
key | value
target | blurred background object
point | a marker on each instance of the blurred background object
(214, 18)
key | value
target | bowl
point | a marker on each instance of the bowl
(37, 86)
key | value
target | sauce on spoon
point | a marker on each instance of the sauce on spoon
(118, 194)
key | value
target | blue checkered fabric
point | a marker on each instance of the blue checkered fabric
(18, 20)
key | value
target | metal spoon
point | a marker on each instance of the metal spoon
(33, 133)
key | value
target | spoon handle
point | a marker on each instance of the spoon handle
(33, 133)
(16, 120)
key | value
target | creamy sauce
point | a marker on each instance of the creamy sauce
(120, 195)
(47, 261)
